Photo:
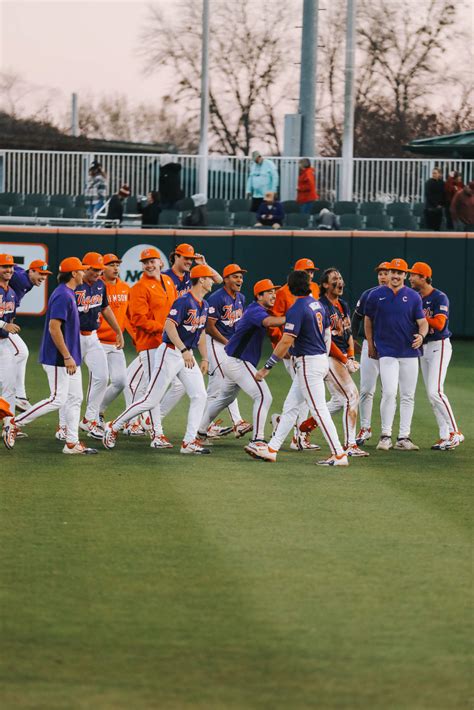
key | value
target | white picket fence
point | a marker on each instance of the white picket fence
(375, 179)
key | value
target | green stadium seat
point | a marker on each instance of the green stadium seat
(49, 212)
(61, 201)
(244, 219)
(405, 223)
(216, 204)
(319, 205)
(239, 205)
(296, 220)
(218, 218)
(4, 210)
(291, 206)
(23, 211)
(36, 200)
(345, 207)
(80, 201)
(377, 222)
(130, 204)
(371, 208)
(351, 221)
(169, 218)
(11, 198)
(74, 213)
(418, 209)
(398, 209)
(185, 205)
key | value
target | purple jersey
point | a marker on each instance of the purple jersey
(226, 310)
(190, 317)
(247, 340)
(361, 303)
(183, 285)
(306, 321)
(20, 283)
(394, 317)
(340, 319)
(8, 305)
(61, 306)
(434, 304)
(91, 300)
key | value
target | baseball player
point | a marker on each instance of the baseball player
(184, 332)
(226, 308)
(369, 368)
(8, 351)
(242, 353)
(395, 326)
(60, 355)
(284, 300)
(181, 260)
(437, 351)
(342, 363)
(22, 282)
(308, 332)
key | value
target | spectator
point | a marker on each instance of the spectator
(327, 220)
(169, 185)
(452, 185)
(150, 209)
(435, 201)
(306, 190)
(462, 209)
(96, 189)
(263, 178)
(270, 213)
(115, 206)
(198, 215)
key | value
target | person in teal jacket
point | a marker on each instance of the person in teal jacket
(263, 178)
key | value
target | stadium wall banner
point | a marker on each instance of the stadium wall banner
(264, 253)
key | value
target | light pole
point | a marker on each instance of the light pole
(203, 136)
(346, 180)
(309, 49)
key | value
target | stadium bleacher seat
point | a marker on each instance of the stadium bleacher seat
(377, 222)
(36, 200)
(291, 206)
(49, 212)
(239, 205)
(398, 209)
(319, 205)
(61, 201)
(345, 207)
(371, 208)
(405, 223)
(218, 219)
(23, 211)
(296, 220)
(418, 209)
(351, 221)
(185, 204)
(216, 204)
(79, 201)
(4, 210)
(74, 213)
(169, 218)
(244, 219)
(11, 198)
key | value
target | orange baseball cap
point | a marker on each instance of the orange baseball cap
(40, 266)
(93, 260)
(384, 265)
(150, 253)
(263, 285)
(201, 270)
(5, 410)
(71, 263)
(185, 250)
(6, 260)
(421, 268)
(111, 259)
(233, 269)
(398, 265)
(304, 265)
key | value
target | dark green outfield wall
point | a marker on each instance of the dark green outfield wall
(270, 254)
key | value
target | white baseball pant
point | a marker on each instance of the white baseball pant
(308, 387)
(170, 364)
(434, 366)
(369, 374)
(66, 394)
(117, 369)
(216, 353)
(398, 373)
(21, 360)
(240, 375)
(303, 412)
(344, 395)
(134, 386)
(8, 371)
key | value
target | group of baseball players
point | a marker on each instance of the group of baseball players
(171, 317)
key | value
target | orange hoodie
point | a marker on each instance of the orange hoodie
(150, 302)
(284, 301)
(117, 296)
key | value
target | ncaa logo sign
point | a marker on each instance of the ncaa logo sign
(131, 267)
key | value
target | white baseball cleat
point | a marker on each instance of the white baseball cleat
(334, 460)
(353, 450)
(385, 443)
(92, 428)
(78, 448)
(363, 436)
(145, 421)
(255, 447)
(134, 429)
(275, 420)
(215, 430)
(193, 447)
(9, 434)
(404, 443)
(301, 442)
(61, 433)
(22, 404)
(161, 442)
(265, 453)
(242, 428)
(453, 441)
(109, 438)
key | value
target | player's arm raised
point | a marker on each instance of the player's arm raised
(109, 316)
(58, 339)
(172, 333)
(423, 328)
(201, 259)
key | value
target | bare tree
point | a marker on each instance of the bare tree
(16, 92)
(250, 56)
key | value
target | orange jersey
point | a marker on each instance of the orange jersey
(284, 301)
(150, 302)
(117, 296)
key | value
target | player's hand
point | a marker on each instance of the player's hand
(373, 352)
(119, 341)
(188, 359)
(12, 328)
(417, 341)
(261, 374)
(352, 365)
(199, 258)
(70, 365)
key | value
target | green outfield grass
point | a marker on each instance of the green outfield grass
(141, 579)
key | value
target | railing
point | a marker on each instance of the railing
(375, 179)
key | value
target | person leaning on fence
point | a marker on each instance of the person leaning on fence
(115, 206)
(306, 192)
(96, 189)
(263, 178)
(198, 215)
(270, 213)
(149, 208)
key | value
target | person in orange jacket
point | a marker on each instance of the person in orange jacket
(284, 301)
(306, 192)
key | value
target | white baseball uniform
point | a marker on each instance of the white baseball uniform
(344, 395)
(21, 355)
